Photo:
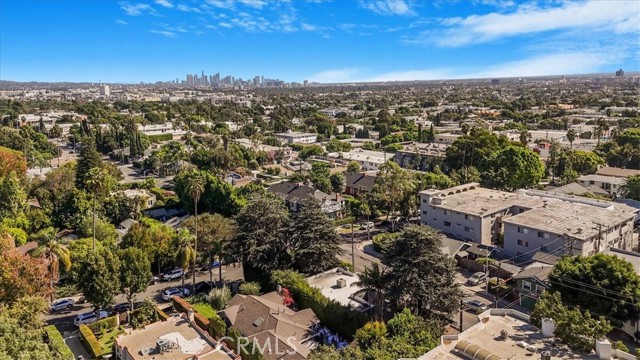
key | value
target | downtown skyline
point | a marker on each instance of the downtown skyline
(315, 40)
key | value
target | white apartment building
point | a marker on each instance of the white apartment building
(528, 221)
(291, 137)
(368, 160)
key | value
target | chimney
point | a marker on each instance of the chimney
(603, 349)
(191, 316)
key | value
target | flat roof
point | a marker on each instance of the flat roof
(363, 155)
(576, 219)
(603, 179)
(480, 201)
(327, 283)
(189, 342)
(485, 335)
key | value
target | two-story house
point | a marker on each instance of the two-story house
(531, 282)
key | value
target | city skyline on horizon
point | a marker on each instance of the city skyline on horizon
(316, 40)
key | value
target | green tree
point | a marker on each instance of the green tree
(56, 254)
(421, 278)
(249, 288)
(259, 240)
(216, 232)
(513, 168)
(631, 187)
(338, 182)
(98, 277)
(320, 177)
(313, 242)
(602, 284)
(374, 279)
(20, 335)
(185, 253)
(135, 272)
(13, 198)
(392, 185)
(195, 188)
(89, 158)
(99, 180)
(571, 136)
(353, 167)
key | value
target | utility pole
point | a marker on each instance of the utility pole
(461, 313)
(599, 237)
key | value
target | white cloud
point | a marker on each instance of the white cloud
(552, 64)
(336, 75)
(501, 4)
(222, 4)
(225, 25)
(620, 16)
(164, 3)
(187, 8)
(164, 33)
(121, 22)
(136, 9)
(388, 7)
(308, 27)
(257, 4)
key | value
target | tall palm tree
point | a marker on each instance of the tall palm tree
(374, 280)
(56, 254)
(99, 180)
(185, 254)
(195, 187)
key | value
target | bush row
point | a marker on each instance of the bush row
(332, 314)
(160, 137)
(106, 323)
(345, 221)
(56, 343)
(90, 342)
(381, 242)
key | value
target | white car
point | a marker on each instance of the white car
(172, 275)
(170, 293)
(366, 226)
(477, 278)
(89, 318)
(61, 304)
(475, 305)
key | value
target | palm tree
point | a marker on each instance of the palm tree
(99, 180)
(374, 280)
(571, 136)
(56, 254)
(185, 254)
(525, 137)
(195, 187)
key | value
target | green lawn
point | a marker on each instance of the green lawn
(204, 309)
(106, 340)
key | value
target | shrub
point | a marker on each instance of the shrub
(619, 345)
(381, 242)
(332, 314)
(346, 265)
(104, 324)
(249, 288)
(217, 327)
(56, 343)
(344, 221)
(219, 297)
(90, 342)
(160, 137)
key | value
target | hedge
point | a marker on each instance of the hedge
(332, 314)
(182, 305)
(382, 241)
(161, 314)
(90, 342)
(108, 323)
(217, 327)
(56, 343)
(344, 221)
(160, 137)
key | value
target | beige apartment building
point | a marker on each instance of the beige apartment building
(528, 221)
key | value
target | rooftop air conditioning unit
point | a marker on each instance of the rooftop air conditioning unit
(504, 334)
(341, 283)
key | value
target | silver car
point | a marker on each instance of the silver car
(61, 304)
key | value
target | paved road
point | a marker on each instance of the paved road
(63, 320)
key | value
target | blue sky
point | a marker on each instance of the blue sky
(318, 40)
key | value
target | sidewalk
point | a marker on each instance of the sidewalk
(367, 248)
(72, 339)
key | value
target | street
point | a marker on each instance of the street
(63, 320)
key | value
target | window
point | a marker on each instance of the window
(447, 223)
(526, 285)
(446, 212)
(520, 230)
(493, 216)
(468, 229)
(523, 243)
(540, 234)
(544, 248)
(591, 182)
(424, 212)
(468, 217)
(424, 201)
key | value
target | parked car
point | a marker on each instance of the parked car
(476, 305)
(89, 318)
(202, 287)
(171, 292)
(366, 226)
(213, 265)
(120, 308)
(477, 278)
(154, 280)
(172, 275)
(61, 304)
